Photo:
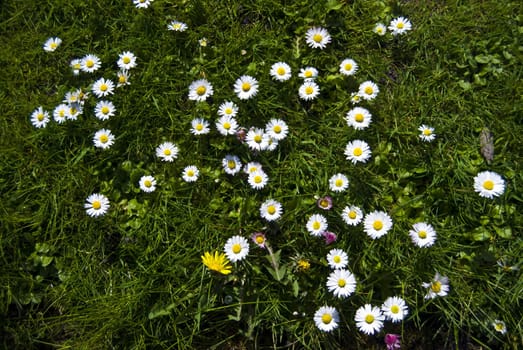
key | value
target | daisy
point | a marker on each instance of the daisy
(352, 215)
(271, 210)
(380, 29)
(39, 117)
(236, 248)
(355, 98)
(203, 42)
(324, 203)
(104, 110)
(231, 164)
(217, 262)
(123, 78)
(167, 151)
(359, 118)
(142, 3)
(308, 73)
(103, 138)
(277, 129)
(126, 60)
(316, 224)
(177, 26)
(76, 65)
(103, 87)
(71, 97)
(309, 90)
(199, 90)
(227, 125)
(395, 309)
(258, 179)
(369, 319)
(338, 183)
(252, 167)
(422, 234)
(348, 67)
(190, 173)
(317, 37)
(96, 205)
(439, 286)
(427, 133)
(199, 126)
(75, 110)
(147, 183)
(357, 151)
(400, 25)
(377, 224)
(489, 184)
(228, 109)
(271, 144)
(368, 90)
(326, 318)
(256, 139)
(61, 113)
(259, 239)
(52, 44)
(246, 87)
(341, 283)
(281, 71)
(90, 63)
(499, 326)
(337, 259)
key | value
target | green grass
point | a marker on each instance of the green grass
(133, 279)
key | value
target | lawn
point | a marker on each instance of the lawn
(261, 174)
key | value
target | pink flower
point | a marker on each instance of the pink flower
(392, 341)
(259, 239)
(330, 237)
(324, 203)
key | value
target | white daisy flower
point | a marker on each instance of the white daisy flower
(271, 210)
(499, 326)
(142, 4)
(368, 90)
(231, 164)
(308, 73)
(199, 126)
(103, 138)
(252, 167)
(337, 259)
(228, 108)
(377, 224)
(258, 179)
(426, 133)
(400, 25)
(341, 283)
(326, 318)
(60, 113)
(104, 109)
(200, 90)
(380, 29)
(190, 173)
(357, 151)
(147, 183)
(257, 139)
(177, 26)
(236, 248)
(227, 125)
(348, 67)
(317, 224)
(338, 183)
(103, 87)
(489, 184)
(439, 286)
(75, 110)
(167, 151)
(52, 44)
(272, 143)
(359, 118)
(277, 129)
(317, 38)
(202, 42)
(355, 98)
(39, 117)
(395, 309)
(369, 319)
(280, 71)
(422, 234)
(76, 65)
(90, 63)
(352, 215)
(309, 90)
(123, 78)
(246, 87)
(126, 60)
(96, 205)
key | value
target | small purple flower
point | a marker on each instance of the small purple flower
(241, 134)
(324, 203)
(392, 341)
(259, 239)
(330, 237)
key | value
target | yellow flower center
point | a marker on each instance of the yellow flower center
(258, 179)
(271, 209)
(427, 132)
(488, 185)
(190, 173)
(499, 327)
(369, 90)
(126, 60)
(201, 90)
(147, 183)
(54, 45)
(341, 283)
(177, 26)
(228, 110)
(40, 117)
(260, 239)
(422, 234)
(307, 74)
(236, 248)
(72, 110)
(277, 129)
(122, 79)
(231, 164)
(103, 87)
(326, 318)
(337, 259)
(61, 113)
(76, 66)
(339, 182)
(348, 66)
(199, 127)
(104, 138)
(324, 203)
(377, 225)
(246, 86)
(89, 63)
(379, 30)
(105, 109)
(400, 25)
(357, 152)
(258, 138)
(226, 125)
(97, 205)
(369, 319)
(394, 309)
(352, 214)
(317, 37)
(166, 152)
(359, 117)
(316, 225)
(436, 286)
(281, 71)
(309, 90)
